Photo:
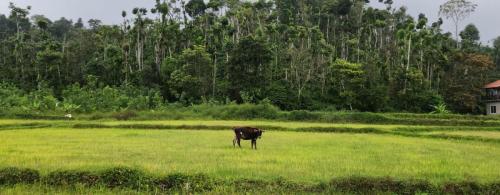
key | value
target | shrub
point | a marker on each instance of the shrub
(10, 96)
(279, 184)
(12, 176)
(243, 111)
(493, 188)
(91, 99)
(125, 115)
(302, 115)
(41, 99)
(367, 185)
(367, 117)
(122, 177)
(250, 184)
(196, 183)
(359, 117)
(463, 188)
(63, 178)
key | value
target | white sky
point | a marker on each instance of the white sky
(486, 17)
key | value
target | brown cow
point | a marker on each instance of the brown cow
(247, 133)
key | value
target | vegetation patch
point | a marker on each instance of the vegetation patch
(188, 183)
(67, 178)
(127, 178)
(222, 127)
(42, 117)
(124, 116)
(24, 126)
(13, 176)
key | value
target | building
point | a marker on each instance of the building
(492, 99)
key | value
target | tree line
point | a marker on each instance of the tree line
(296, 54)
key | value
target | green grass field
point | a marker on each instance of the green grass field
(301, 157)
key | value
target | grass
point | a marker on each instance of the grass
(302, 156)
(482, 134)
(296, 156)
(42, 189)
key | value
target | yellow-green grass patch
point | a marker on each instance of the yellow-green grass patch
(252, 123)
(295, 156)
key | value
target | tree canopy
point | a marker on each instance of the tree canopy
(319, 54)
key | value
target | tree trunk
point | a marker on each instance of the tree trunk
(214, 78)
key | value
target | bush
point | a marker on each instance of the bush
(250, 184)
(188, 183)
(41, 99)
(243, 111)
(360, 117)
(12, 176)
(11, 97)
(63, 178)
(122, 177)
(124, 116)
(368, 185)
(302, 115)
(463, 188)
(109, 99)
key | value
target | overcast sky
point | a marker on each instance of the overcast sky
(486, 17)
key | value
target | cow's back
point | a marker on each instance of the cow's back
(246, 133)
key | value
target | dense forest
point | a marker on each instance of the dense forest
(294, 54)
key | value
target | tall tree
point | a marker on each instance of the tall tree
(465, 79)
(470, 38)
(496, 51)
(248, 67)
(457, 11)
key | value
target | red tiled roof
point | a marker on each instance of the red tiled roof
(495, 84)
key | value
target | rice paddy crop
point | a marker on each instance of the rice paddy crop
(302, 157)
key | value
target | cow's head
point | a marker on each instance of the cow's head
(259, 133)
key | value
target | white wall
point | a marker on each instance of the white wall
(488, 108)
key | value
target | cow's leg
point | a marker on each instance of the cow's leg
(234, 143)
(239, 140)
(254, 144)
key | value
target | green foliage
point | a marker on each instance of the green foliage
(367, 185)
(197, 183)
(302, 115)
(470, 38)
(300, 56)
(13, 176)
(440, 109)
(40, 100)
(123, 116)
(186, 183)
(248, 67)
(122, 177)
(193, 79)
(11, 97)
(416, 96)
(243, 111)
(67, 178)
(195, 7)
(470, 68)
(347, 79)
(108, 99)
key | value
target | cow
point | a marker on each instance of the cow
(247, 133)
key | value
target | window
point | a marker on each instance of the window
(493, 110)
